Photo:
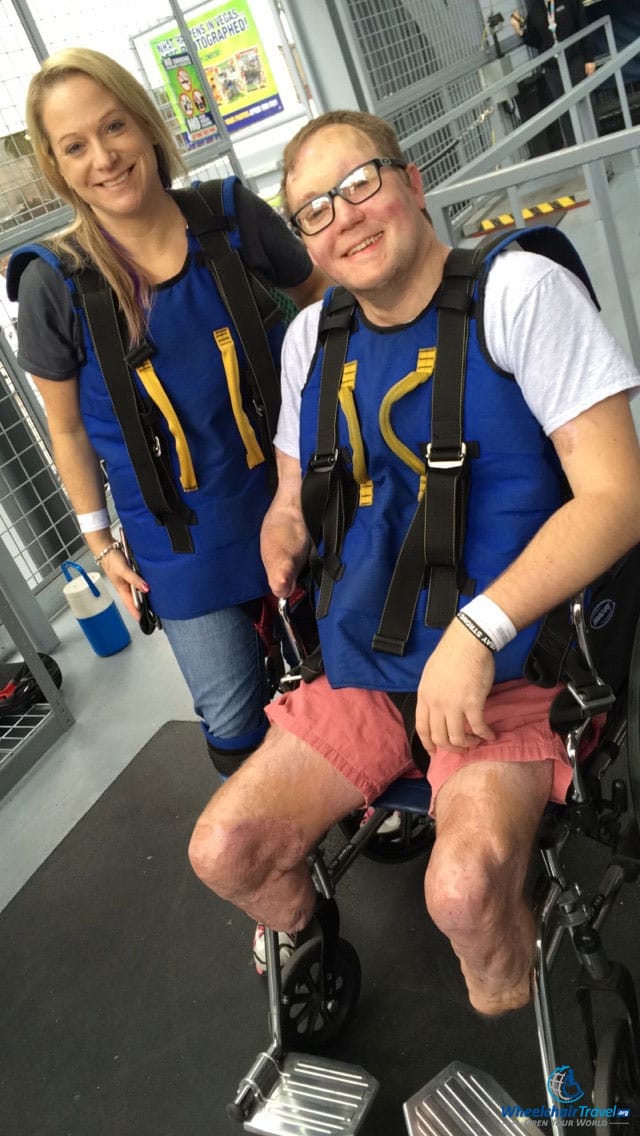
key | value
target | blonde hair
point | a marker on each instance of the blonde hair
(84, 239)
(382, 135)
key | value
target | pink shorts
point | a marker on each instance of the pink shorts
(361, 733)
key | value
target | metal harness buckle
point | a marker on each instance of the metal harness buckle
(593, 699)
(445, 463)
(323, 463)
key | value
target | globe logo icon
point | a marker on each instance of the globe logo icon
(563, 1086)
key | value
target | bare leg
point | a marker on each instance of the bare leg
(487, 816)
(251, 842)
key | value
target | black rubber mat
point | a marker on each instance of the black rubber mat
(128, 1000)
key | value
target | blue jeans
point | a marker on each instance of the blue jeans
(222, 659)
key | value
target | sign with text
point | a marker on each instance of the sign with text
(235, 63)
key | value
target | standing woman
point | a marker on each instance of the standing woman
(104, 147)
(546, 22)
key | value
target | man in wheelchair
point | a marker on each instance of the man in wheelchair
(470, 462)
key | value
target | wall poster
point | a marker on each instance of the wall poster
(235, 63)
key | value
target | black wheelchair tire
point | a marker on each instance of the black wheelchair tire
(310, 1022)
(633, 728)
(414, 838)
(616, 1073)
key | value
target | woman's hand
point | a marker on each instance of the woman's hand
(124, 580)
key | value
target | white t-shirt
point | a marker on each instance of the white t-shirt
(540, 325)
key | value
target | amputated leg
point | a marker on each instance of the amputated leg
(487, 816)
(251, 842)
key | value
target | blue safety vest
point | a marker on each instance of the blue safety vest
(233, 493)
(384, 423)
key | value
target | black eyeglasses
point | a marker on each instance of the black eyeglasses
(356, 187)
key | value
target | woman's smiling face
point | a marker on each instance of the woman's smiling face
(100, 149)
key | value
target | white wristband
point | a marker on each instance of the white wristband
(93, 522)
(491, 619)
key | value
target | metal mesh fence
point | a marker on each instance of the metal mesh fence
(402, 41)
(36, 521)
(418, 49)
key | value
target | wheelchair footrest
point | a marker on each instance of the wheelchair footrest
(314, 1097)
(462, 1101)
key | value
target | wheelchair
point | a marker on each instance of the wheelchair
(292, 1089)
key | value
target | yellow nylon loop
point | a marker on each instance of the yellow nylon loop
(424, 369)
(157, 393)
(349, 409)
(227, 350)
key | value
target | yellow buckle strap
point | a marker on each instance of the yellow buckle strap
(349, 409)
(424, 369)
(157, 393)
(227, 350)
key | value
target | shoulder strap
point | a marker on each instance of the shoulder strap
(250, 305)
(323, 485)
(142, 442)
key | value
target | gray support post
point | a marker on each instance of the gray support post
(291, 63)
(332, 84)
(514, 205)
(23, 13)
(24, 606)
(602, 199)
(622, 94)
(565, 78)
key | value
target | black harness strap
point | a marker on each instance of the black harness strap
(432, 549)
(406, 703)
(135, 419)
(447, 456)
(323, 488)
(251, 307)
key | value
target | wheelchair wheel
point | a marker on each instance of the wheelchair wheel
(414, 835)
(616, 1072)
(633, 727)
(313, 1013)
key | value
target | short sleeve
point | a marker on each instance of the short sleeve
(268, 246)
(542, 327)
(50, 342)
(298, 351)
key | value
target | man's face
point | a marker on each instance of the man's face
(370, 246)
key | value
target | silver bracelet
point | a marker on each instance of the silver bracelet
(115, 546)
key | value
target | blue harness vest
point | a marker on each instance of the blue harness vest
(232, 491)
(384, 424)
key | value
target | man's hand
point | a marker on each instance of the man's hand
(282, 569)
(453, 690)
(284, 543)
